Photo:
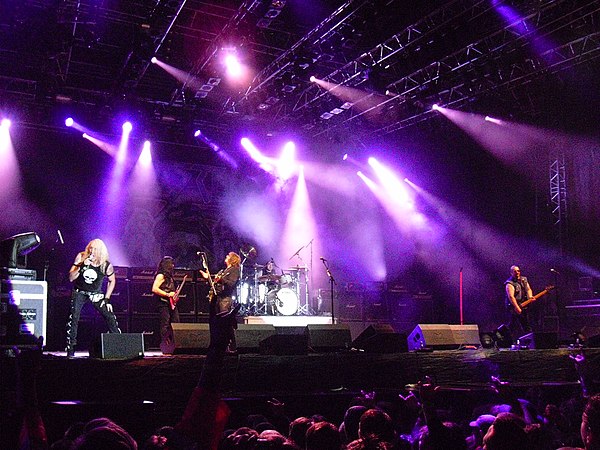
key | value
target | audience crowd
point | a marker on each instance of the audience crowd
(414, 420)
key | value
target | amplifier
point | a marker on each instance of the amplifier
(12, 273)
(23, 310)
(142, 299)
(142, 273)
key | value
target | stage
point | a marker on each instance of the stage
(156, 387)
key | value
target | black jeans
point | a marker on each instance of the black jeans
(78, 299)
(167, 316)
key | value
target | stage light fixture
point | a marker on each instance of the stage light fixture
(6, 123)
(154, 60)
(127, 127)
(197, 133)
(435, 107)
(69, 122)
(345, 157)
(312, 79)
(14, 250)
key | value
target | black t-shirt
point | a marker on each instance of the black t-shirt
(91, 277)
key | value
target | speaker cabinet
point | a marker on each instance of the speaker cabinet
(592, 336)
(118, 346)
(375, 307)
(405, 310)
(328, 337)
(443, 336)
(284, 344)
(380, 338)
(23, 310)
(249, 336)
(147, 324)
(539, 340)
(141, 297)
(191, 338)
(119, 299)
(349, 305)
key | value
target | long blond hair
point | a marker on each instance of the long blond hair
(102, 254)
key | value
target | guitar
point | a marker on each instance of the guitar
(213, 290)
(173, 300)
(529, 301)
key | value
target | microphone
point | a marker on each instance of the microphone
(555, 271)
(60, 238)
(322, 259)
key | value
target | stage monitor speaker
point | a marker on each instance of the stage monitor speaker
(539, 340)
(249, 336)
(284, 344)
(190, 338)
(443, 337)
(327, 337)
(380, 338)
(592, 336)
(118, 346)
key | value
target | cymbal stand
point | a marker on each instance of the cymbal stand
(303, 307)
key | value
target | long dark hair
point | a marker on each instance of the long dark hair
(163, 266)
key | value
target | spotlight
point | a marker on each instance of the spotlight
(197, 133)
(154, 60)
(85, 135)
(5, 123)
(69, 122)
(312, 79)
(345, 157)
(435, 107)
(127, 127)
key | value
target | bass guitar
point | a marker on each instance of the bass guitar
(173, 300)
(536, 297)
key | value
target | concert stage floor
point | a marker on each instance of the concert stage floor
(157, 387)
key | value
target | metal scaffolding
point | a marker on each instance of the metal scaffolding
(558, 197)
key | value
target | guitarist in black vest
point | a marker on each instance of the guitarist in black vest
(164, 292)
(220, 307)
(517, 291)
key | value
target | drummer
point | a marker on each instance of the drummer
(269, 275)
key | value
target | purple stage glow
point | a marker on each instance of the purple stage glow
(264, 162)
(104, 146)
(395, 188)
(300, 227)
(10, 179)
(286, 165)
(233, 66)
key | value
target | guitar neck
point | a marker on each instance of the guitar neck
(534, 298)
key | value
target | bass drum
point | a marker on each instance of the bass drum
(286, 302)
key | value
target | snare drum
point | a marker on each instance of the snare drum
(286, 302)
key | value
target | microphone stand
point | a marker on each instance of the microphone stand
(331, 283)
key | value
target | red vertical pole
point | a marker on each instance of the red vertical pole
(460, 295)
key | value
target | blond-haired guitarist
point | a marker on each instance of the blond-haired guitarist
(221, 292)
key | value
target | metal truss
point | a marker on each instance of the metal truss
(558, 196)
(508, 78)
(392, 49)
(316, 36)
(466, 73)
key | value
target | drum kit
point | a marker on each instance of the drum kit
(262, 292)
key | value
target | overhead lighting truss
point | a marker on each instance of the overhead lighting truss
(458, 77)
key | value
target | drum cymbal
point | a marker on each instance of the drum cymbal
(269, 278)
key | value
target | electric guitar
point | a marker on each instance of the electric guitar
(529, 301)
(213, 290)
(173, 300)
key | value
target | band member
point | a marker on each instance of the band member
(221, 296)
(517, 291)
(166, 299)
(87, 274)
